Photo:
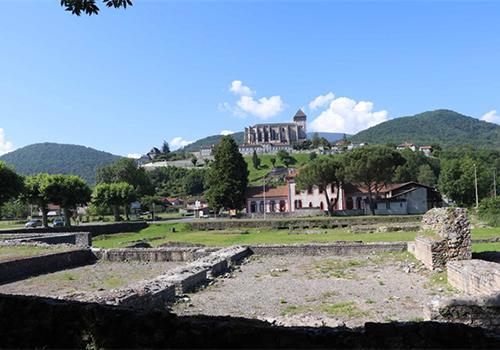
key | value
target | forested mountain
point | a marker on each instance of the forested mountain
(54, 158)
(443, 127)
(238, 137)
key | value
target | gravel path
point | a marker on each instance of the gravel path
(99, 276)
(315, 291)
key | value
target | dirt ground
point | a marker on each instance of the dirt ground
(316, 291)
(98, 276)
(24, 251)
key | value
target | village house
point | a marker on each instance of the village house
(406, 145)
(397, 199)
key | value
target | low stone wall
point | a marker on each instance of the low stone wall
(474, 311)
(95, 230)
(151, 254)
(474, 277)
(298, 213)
(319, 222)
(163, 289)
(327, 248)
(19, 269)
(34, 322)
(429, 252)
(80, 239)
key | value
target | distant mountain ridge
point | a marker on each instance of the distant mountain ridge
(55, 158)
(238, 137)
(444, 127)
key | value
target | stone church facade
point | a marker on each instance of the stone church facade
(272, 137)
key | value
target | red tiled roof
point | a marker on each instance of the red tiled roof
(257, 192)
(353, 188)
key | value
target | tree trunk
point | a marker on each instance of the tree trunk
(370, 200)
(116, 212)
(67, 219)
(328, 204)
(127, 211)
(45, 221)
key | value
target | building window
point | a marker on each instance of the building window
(349, 203)
(321, 206)
(388, 205)
(261, 207)
(282, 206)
(320, 189)
(271, 206)
(300, 203)
(310, 205)
(309, 190)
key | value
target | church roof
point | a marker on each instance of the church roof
(300, 113)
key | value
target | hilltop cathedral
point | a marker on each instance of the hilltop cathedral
(270, 138)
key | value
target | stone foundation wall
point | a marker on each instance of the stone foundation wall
(80, 239)
(19, 269)
(34, 322)
(319, 222)
(475, 277)
(474, 311)
(95, 230)
(151, 254)
(430, 252)
(163, 289)
(328, 248)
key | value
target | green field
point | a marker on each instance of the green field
(158, 234)
(9, 224)
(255, 175)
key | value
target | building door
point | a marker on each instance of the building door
(282, 206)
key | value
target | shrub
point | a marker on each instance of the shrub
(489, 211)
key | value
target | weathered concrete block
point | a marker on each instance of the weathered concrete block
(474, 277)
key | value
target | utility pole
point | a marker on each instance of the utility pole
(264, 187)
(494, 182)
(475, 185)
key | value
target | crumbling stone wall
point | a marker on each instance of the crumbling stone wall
(346, 248)
(450, 237)
(34, 322)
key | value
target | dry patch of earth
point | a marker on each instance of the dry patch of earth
(99, 276)
(316, 291)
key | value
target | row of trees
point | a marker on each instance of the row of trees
(371, 166)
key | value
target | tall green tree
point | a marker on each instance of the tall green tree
(67, 191)
(90, 7)
(165, 148)
(114, 195)
(323, 172)
(255, 160)
(34, 193)
(456, 180)
(426, 175)
(373, 167)
(11, 184)
(126, 170)
(227, 178)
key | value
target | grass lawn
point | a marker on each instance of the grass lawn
(255, 175)
(486, 247)
(161, 233)
(10, 252)
(486, 233)
(9, 224)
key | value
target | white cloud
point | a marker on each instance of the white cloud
(263, 108)
(348, 116)
(321, 101)
(492, 117)
(226, 132)
(134, 155)
(178, 142)
(238, 88)
(5, 146)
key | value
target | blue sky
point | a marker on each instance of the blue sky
(123, 81)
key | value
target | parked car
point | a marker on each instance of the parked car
(33, 223)
(58, 223)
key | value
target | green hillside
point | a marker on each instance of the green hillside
(54, 158)
(444, 127)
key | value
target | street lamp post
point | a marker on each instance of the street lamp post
(264, 188)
